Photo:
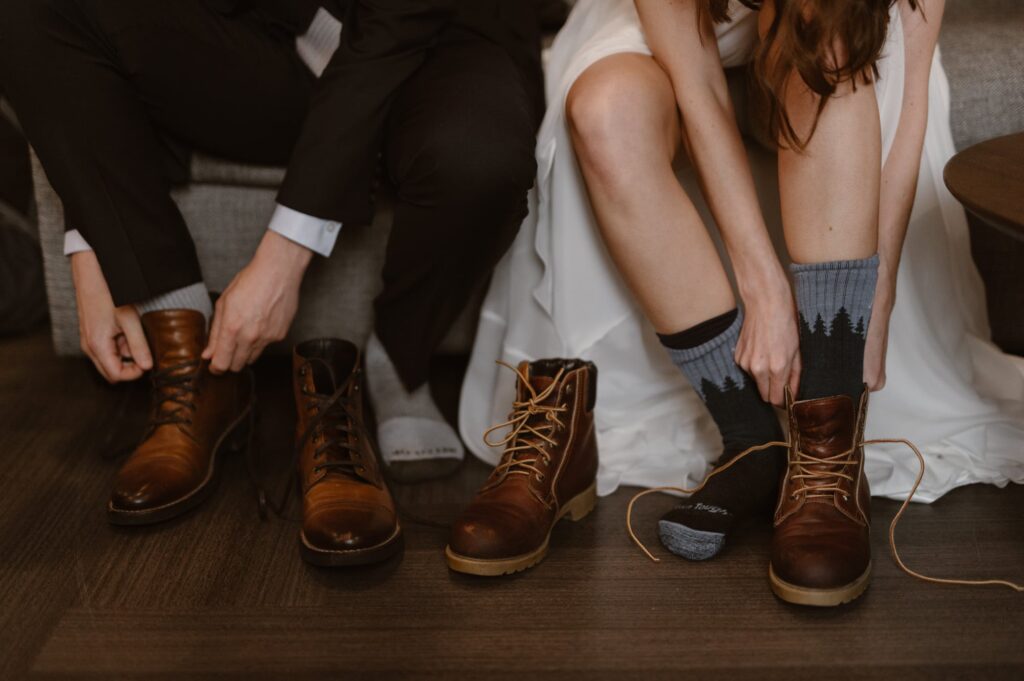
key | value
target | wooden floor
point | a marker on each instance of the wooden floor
(220, 594)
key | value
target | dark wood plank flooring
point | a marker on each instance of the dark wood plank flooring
(220, 594)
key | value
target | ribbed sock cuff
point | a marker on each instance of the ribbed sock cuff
(192, 297)
(712, 361)
(823, 288)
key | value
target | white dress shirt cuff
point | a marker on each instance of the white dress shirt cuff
(316, 234)
(74, 242)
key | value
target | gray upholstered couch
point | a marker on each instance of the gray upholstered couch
(227, 205)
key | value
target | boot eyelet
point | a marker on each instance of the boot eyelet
(540, 477)
(846, 498)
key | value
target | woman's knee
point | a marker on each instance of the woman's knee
(619, 111)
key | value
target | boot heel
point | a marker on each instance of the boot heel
(580, 506)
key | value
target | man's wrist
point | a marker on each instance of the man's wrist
(284, 253)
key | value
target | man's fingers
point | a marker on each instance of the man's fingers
(138, 347)
(243, 348)
(122, 348)
(107, 358)
(220, 359)
(255, 353)
(215, 327)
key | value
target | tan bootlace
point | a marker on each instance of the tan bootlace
(821, 484)
(526, 434)
(803, 460)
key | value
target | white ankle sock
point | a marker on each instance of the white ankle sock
(193, 297)
(410, 427)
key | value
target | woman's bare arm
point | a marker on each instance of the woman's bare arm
(688, 52)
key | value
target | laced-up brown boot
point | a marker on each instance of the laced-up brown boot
(548, 471)
(348, 515)
(194, 418)
(821, 549)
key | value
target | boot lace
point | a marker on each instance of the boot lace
(334, 424)
(337, 427)
(532, 426)
(823, 482)
(827, 482)
(176, 388)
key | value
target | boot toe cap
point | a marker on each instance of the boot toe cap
(148, 491)
(349, 528)
(820, 564)
(492, 536)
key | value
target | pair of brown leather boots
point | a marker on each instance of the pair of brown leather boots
(349, 517)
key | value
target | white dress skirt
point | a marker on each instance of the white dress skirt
(556, 293)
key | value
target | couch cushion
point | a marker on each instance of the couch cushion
(210, 170)
(982, 45)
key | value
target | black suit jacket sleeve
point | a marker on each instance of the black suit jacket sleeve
(335, 161)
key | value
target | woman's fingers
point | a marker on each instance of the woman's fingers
(795, 369)
(779, 380)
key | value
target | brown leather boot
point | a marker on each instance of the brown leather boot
(194, 418)
(348, 515)
(548, 471)
(821, 548)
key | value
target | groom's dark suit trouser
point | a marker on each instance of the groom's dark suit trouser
(110, 93)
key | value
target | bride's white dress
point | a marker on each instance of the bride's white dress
(556, 293)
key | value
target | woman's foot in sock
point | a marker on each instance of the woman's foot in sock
(416, 443)
(697, 529)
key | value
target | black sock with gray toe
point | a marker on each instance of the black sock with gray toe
(697, 528)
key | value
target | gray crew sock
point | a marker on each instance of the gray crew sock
(834, 301)
(415, 441)
(192, 297)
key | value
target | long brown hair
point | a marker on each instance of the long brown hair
(826, 42)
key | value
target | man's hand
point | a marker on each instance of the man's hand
(769, 344)
(112, 337)
(877, 342)
(259, 304)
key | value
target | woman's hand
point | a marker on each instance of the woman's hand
(769, 344)
(112, 337)
(877, 341)
(259, 304)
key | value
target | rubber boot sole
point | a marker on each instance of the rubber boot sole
(578, 508)
(822, 598)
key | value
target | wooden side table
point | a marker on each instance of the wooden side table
(988, 179)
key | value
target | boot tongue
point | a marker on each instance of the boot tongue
(175, 336)
(539, 383)
(826, 428)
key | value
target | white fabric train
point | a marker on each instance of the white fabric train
(556, 293)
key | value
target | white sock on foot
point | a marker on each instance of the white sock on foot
(410, 427)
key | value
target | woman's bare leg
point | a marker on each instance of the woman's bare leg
(625, 127)
(626, 131)
(829, 191)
